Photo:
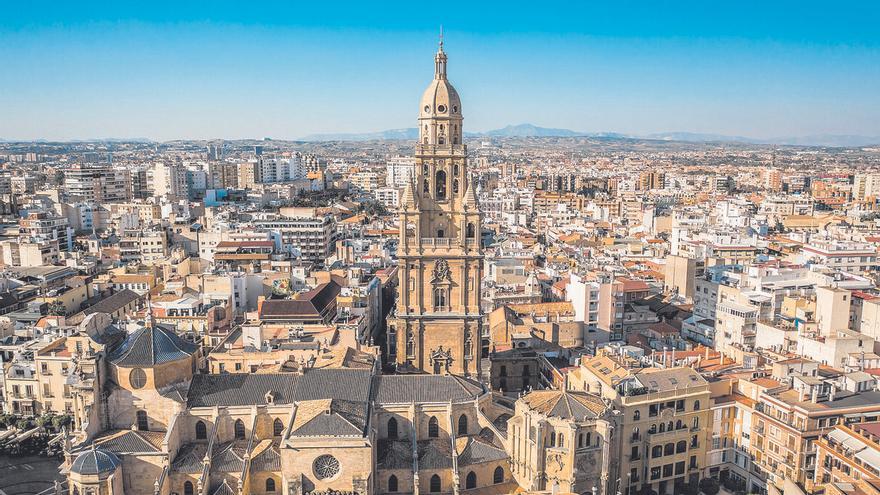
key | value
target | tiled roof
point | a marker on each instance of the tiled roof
(149, 346)
(189, 458)
(113, 303)
(478, 452)
(435, 454)
(330, 418)
(267, 460)
(246, 389)
(404, 389)
(564, 404)
(311, 303)
(224, 489)
(129, 441)
(393, 454)
(228, 457)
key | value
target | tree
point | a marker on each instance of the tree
(56, 308)
(690, 489)
(45, 420)
(25, 424)
(710, 486)
(61, 421)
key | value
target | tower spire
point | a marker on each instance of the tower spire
(440, 59)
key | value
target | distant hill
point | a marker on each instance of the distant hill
(530, 130)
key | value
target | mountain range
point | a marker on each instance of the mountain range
(531, 130)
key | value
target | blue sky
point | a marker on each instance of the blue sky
(73, 70)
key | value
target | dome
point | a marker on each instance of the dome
(95, 461)
(440, 99)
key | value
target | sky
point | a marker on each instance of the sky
(205, 70)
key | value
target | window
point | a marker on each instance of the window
(656, 451)
(143, 423)
(462, 425)
(471, 480)
(471, 231)
(454, 186)
(637, 415)
(669, 449)
(201, 431)
(270, 485)
(696, 423)
(239, 429)
(679, 468)
(392, 429)
(392, 483)
(696, 405)
(188, 488)
(440, 184)
(561, 440)
(137, 378)
(681, 447)
(435, 484)
(433, 428)
(277, 427)
(498, 476)
(439, 298)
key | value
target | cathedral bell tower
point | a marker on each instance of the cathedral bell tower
(438, 322)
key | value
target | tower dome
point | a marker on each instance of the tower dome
(440, 107)
(95, 461)
(440, 99)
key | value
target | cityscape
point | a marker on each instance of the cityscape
(439, 309)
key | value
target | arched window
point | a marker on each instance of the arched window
(471, 231)
(142, 423)
(455, 170)
(656, 451)
(201, 431)
(392, 429)
(270, 485)
(471, 480)
(552, 440)
(678, 424)
(454, 186)
(239, 429)
(441, 140)
(696, 423)
(669, 426)
(433, 427)
(426, 188)
(669, 449)
(637, 415)
(498, 476)
(652, 429)
(440, 184)
(696, 405)
(681, 447)
(462, 425)
(188, 488)
(435, 484)
(662, 427)
(392, 483)
(277, 427)
(561, 440)
(589, 439)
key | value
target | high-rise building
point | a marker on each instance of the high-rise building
(97, 182)
(438, 321)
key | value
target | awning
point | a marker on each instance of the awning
(870, 457)
(847, 441)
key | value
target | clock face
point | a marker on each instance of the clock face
(441, 108)
(427, 109)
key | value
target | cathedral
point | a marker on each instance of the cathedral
(151, 423)
(437, 324)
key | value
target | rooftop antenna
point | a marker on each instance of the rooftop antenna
(441, 37)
